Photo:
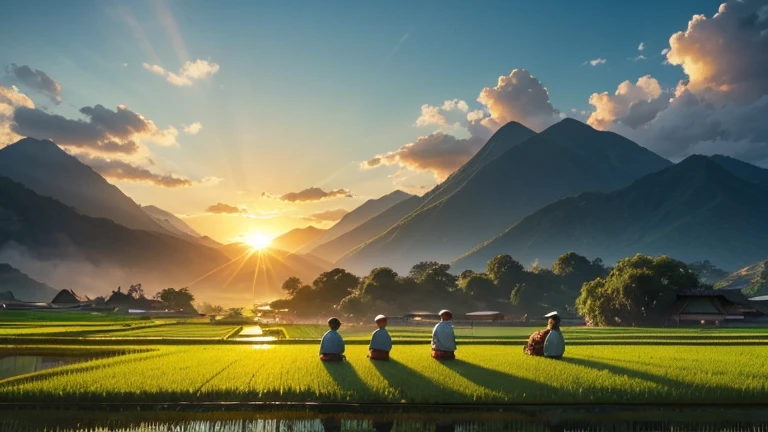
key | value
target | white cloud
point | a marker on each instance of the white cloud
(641, 47)
(631, 104)
(722, 105)
(596, 62)
(193, 129)
(10, 99)
(438, 153)
(187, 74)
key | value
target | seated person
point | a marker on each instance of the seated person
(332, 345)
(549, 342)
(381, 342)
(443, 338)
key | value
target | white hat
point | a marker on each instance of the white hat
(444, 311)
(379, 317)
(551, 314)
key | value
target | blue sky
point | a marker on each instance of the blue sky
(308, 90)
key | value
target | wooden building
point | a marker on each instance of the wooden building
(710, 306)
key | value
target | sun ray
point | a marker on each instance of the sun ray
(218, 268)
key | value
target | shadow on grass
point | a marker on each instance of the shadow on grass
(502, 383)
(664, 381)
(346, 377)
(409, 383)
(622, 371)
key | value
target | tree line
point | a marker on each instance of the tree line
(505, 285)
(639, 290)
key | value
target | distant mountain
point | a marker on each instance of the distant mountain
(207, 241)
(510, 135)
(170, 222)
(48, 170)
(23, 287)
(566, 159)
(357, 217)
(295, 239)
(372, 228)
(742, 169)
(693, 211)
(751, 280)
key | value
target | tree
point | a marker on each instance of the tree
(479, 285)
(638, 291)
(178, 300)
(135, 291)
(576, 269)
(381, 284)
(505, 272)
(291, 285)
(438, 279)
(334, 285)
(419, 270)
(355, 305)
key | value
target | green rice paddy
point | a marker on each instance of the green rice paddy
(136, 361)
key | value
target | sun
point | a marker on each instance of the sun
(257, 241)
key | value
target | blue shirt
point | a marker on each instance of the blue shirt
(381, 340)
(332, 343)
(554, 344)
(443, 338)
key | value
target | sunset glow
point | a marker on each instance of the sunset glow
(257, 241)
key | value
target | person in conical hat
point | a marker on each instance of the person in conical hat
(332, 344)
(548, 342)
(443, 338)
(381, 342)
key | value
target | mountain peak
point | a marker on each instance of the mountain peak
(32, 146)
(570, 125)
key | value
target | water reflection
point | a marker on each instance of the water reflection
(21, 365)
(615, 419)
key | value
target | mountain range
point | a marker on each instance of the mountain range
(357, 217)
(695, 210)
(568, 158)
(48, 170)
(297, 238)
(23, 287)
(534, 196)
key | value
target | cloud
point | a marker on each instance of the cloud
(327, 216)
(517, 97)
(124, 171)
(193, 129)
(37, 80)
(639, 57)
(727, 53)
(630, 104)
(641, 47)
(188, 73)
(722, 105)
(664, 51)
(103, 130)
(221, 208)
(310, 194)
(438, 153)
(596, 62)
(432, 115)
(10, 99)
